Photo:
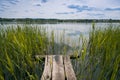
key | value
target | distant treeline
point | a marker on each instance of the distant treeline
(43, 21)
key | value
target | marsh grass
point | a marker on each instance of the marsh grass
(17, 46)
(100, 55)
(105, 47)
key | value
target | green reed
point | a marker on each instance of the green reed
(101, 59)
(100, 55)
(17, 47)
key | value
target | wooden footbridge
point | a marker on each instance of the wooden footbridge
(58, 67)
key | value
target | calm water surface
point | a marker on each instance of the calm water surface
(70, 32)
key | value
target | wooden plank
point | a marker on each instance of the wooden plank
(69, 72)
(42, 57)
(47, 73)
(58, 68)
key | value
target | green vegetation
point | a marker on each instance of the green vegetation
(17, 46)
(100, 56)
(52, 21)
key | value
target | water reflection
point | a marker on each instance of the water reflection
(70, 31)
(74, 33)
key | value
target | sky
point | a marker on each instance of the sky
(60, 9)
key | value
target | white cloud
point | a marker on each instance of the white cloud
(49, 8)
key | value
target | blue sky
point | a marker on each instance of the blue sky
(60, 9)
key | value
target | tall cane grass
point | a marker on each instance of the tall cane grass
(17, 46)
(102, 55)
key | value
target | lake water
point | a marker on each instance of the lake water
(69, 32)
(72, 31)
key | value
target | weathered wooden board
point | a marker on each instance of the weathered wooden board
(42, 57)
(47, 73)
(69, 72)
(58, 68)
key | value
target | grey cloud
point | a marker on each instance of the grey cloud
(44, 1)
(26, 11)
(1, 10)
(4, 5)
(95, 14)
(112, 9)
(14, 2)
(65, 13)
(81, 8)
(37, 4)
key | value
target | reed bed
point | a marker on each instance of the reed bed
(100, 55)
(101, 59)
(17, 47)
